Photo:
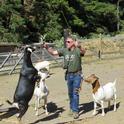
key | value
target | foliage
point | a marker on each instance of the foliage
(24, 21)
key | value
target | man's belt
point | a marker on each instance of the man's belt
(76, 72)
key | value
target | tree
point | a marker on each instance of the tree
(23, 21)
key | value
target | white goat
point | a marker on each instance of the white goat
(43, 65)
(102, 93)
(41, 92)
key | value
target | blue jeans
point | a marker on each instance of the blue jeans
(73, 83)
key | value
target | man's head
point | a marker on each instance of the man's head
(70, 42)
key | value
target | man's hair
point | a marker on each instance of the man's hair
(73, 37)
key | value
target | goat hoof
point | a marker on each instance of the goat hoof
(103, 114)
(17, 115)
(47, 113)
(94, 113)
(36, 114)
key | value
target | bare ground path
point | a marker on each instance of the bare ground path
(106, 70)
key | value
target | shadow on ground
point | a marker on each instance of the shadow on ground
(54, 113)
(86, 107)
(8, 114)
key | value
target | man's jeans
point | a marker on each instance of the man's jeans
(73, 83)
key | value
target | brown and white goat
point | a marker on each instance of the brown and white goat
(102, 93)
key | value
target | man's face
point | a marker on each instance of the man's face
(69, 43)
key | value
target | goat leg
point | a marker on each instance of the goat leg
(36, 106)
(45, 105)
(115, 102)
(102, 105)
(38, 102)
(95, 105)
(109, 103)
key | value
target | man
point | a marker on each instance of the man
(72, 63)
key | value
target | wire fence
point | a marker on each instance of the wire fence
(11, 62)
(97, 49)
(104, 48)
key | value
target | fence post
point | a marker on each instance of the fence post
(16, 64)
(100, 46)
(5, 60)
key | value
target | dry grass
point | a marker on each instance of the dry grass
(105, 45)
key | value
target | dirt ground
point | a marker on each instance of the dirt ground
(106, 70)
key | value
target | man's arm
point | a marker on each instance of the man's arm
(82, 50)
(51, 50)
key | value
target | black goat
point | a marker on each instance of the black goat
(26, 84)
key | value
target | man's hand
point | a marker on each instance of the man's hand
(44, 45)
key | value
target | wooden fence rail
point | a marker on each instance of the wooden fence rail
(10, 62)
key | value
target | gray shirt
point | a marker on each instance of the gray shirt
(72, 59)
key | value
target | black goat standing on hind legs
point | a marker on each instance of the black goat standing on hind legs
(25, 88)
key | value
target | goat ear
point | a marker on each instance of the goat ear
(29, 49)
(94, 76)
